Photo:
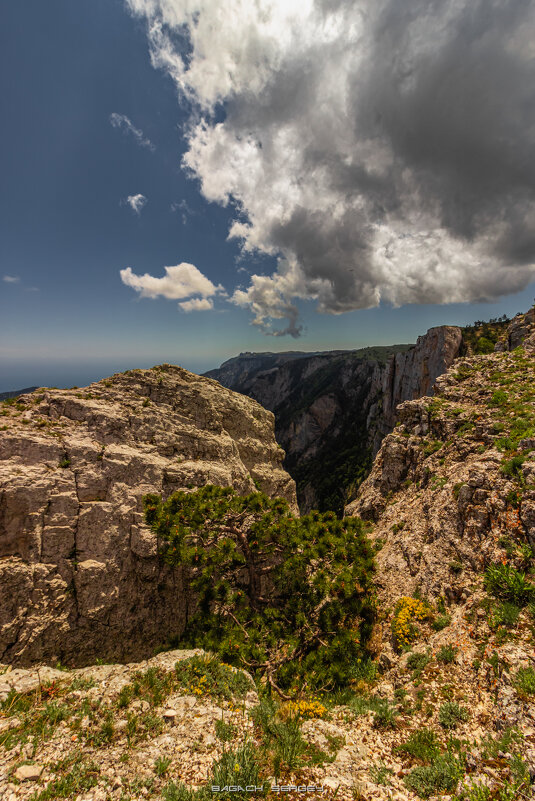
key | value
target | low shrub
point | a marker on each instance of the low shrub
(508, 584)
(524, 680)
(423, 744)
(407, 612)
(447, 654)
(451, 714)
(442, 776)
(441, 622)
(417, 661)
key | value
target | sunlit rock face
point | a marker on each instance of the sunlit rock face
(80, 578)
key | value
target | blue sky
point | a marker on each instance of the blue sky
(67, 228)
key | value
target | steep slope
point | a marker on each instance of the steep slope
(79, 576)
(452, 498)
(333, 409)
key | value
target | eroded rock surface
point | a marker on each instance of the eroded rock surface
(79, 573)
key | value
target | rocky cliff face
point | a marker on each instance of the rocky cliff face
(79, 574)
(412, 374)
(333, 409)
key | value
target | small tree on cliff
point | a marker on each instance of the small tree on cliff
(290, 598)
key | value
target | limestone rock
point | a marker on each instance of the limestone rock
(28, 773)
(79, 573)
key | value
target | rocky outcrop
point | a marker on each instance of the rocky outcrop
(438, 491)
(79, 573)
(521, 331)
(452, 489)
(413, 374)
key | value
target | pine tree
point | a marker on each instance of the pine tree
(288, 598)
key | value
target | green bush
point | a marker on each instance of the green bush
(417, 661)
(385, 715)
(505, 614)
(288, 598)
(451, 714)
(423, 744)
(483, 346)
(238, 767)
(513, 467)
(206, 675)
(447, 654)
(282, 742)
(442, 776)
(524, 680)
(508, 584)
(441, 622)
(499, 398)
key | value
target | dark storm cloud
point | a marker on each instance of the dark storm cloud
(384, 150)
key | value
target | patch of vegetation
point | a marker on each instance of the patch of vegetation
(161, 765)
(447, 654)
(380, 773)
(384, 712)
(509, 741)
(481, 336)
(423, 744)
(499, 398)
(507, 583)
(202, 675)
(39, 712)
(450, 714)
(442, 776)
(513, 467)
(78, 775)
(407, 613)
(441, 622)
(457, 488)
(282, 747)
(177, 791)
(238, 767)
(432, 447)
(225, 731)
(524, 680)
(417, 662)
(289, 598)
(505, 614)
(198, 675)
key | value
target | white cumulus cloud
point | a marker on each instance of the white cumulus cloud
(381, 151)
(122, 122)
(196, 304)
(180, 282)
(136, 202)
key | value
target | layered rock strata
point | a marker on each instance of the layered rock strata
(79, 573)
